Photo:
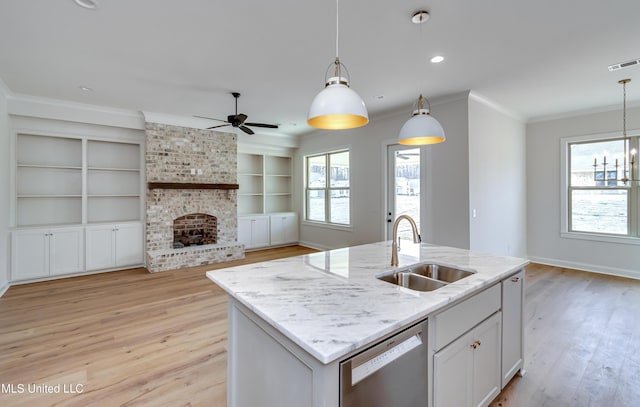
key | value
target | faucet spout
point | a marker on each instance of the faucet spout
(394, 245)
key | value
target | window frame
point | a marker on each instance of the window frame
(633, 196)
(327, 189)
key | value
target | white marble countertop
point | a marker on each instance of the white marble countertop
(331, 303)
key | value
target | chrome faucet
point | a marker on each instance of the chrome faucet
(394, 245)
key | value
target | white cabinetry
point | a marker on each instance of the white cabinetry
(78, 182)
(114, 246)
(512, 327)
(467, 345)
(38, 253)
(253, 231)
(283, 228)
(467, 371)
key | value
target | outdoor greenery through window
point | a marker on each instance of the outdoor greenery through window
(328, 192)
(599, 202)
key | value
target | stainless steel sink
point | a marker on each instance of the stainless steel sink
(413, 281)
(438, 272)
(425, 277)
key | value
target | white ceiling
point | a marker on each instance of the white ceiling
(534, 58)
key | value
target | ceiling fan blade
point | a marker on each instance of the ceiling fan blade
(265, 125)
(241, 118)
(211, 118)
(220, 125)
(246, 129)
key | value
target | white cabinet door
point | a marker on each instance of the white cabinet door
(128, 244)
(66, 248)
(284, 228)
(467, 371)
(100, 247)
(111, 246)
(260, 231)
(486, 361)
(45, 252)
(512, 329)
(253, 231)
(29, 254)
(453, 373)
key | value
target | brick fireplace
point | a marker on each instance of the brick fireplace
(177, 199)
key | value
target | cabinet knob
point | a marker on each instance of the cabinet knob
(515, 279)
(476, 344)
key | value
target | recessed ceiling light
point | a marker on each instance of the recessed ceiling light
(437, 59)
(85, 89)
(420, 17)
(90, 4)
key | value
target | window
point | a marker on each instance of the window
(328, 201)
(598, 202)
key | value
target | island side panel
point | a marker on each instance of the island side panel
(264, 368)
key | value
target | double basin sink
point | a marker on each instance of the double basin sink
(425, 277)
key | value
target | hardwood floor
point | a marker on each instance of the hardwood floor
(582, 335)
(131, 338)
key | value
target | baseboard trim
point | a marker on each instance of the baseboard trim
(311, 245)
(4, 289)
(612, 271)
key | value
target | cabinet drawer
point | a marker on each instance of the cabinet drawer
(458, 319)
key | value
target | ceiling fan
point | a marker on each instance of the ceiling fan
(238, 120)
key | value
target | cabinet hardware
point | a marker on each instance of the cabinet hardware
(515, 279)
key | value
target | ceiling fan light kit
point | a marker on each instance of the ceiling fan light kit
(337, 106)
(421, 128)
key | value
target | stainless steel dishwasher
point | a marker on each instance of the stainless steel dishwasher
(392, 373)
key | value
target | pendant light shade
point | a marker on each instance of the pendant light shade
(337, 106)
(421, 128)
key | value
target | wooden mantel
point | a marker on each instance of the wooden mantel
(188, 185)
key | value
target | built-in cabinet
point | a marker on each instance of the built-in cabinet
(283, 228)
(258, 231)
(467, 371)
(66, 187)
(253, 231)
(114, 246)
(265, 216)
(39, 253)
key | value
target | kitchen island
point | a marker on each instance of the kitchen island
(293, 321)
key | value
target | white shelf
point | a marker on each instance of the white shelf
(66, 180)
(265, 184)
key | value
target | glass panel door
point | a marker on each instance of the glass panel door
(403, 191)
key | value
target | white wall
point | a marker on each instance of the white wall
(4, 187)
(497, 180)
(444, 205)
(545, 244)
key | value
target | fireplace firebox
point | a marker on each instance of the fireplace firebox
(194, 230)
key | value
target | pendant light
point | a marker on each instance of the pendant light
(337, 106)
(421, 128)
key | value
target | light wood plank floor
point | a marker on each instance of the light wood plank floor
(131, 338)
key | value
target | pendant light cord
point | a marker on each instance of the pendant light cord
(337, 29)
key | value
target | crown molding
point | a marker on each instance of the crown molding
(45, 108)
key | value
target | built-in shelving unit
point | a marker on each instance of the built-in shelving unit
(113, 181)
(64, 187)
(265, 184)
(48, 180)
(70, 181)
